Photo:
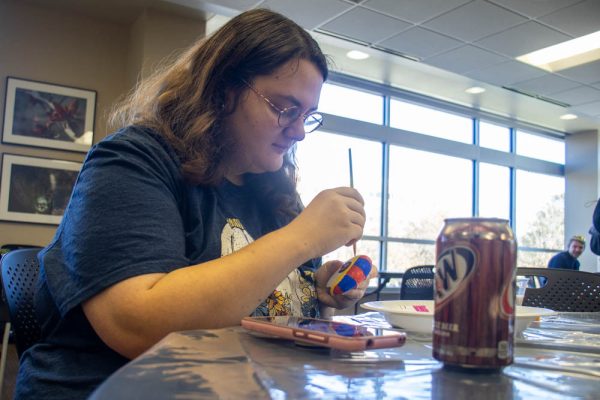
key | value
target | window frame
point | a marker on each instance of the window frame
(388, 136)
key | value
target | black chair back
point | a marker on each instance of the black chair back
(565, 290)
(417, 283)
(20, 270)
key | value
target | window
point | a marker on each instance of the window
(494, 136)
(351, 103)
(494, 191)
(429, 121)
(402, 256)
(424, 189)
(543, 148)
(323, 162)
(426, 181)
(540, 217)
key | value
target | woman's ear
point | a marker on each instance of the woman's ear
(232, 97)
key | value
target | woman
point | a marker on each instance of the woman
(188, 216)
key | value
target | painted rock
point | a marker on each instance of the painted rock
(350, 275)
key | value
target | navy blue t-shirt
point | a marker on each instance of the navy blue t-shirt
(131, 213)
(564, 260)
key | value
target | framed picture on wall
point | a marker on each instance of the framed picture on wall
(48, 115)
(35, 189)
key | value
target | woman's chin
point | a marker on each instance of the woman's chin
(274, 166)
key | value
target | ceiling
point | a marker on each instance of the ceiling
(437, 47)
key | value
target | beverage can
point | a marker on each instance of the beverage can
(474, 294)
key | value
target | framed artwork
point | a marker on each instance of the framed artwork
(35, 189)
(47, 115)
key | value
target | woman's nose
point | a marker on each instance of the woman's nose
(296, 130)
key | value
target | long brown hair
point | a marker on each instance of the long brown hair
(185, 101)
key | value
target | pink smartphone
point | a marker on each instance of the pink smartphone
(320, 332)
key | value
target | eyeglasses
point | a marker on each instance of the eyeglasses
(288, 115)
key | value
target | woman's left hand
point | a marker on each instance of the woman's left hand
(343, 300)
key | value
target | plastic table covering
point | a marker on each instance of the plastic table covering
(556, 358)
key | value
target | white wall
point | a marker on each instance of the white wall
(582, 173)
(50, 45)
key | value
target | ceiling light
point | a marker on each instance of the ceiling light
(568, 116)
(357, 55)
(475, 90)
(565, 55)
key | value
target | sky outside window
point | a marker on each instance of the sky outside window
(494, 191)
(351, 103)
(428, 121)
(424, 189)
(494, 136)
(540, 147)
(323, 164)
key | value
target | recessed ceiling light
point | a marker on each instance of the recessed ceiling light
(475, 90)
(565, 55)
(357, 55)
(568, 116)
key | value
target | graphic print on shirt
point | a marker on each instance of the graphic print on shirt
(234, 237)
(296, 295)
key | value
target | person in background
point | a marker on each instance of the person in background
(188, 216)
(568, 259)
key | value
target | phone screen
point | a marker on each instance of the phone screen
(325, 326)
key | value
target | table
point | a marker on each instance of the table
(556, 358)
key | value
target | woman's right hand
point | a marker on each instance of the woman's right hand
(335, 217)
